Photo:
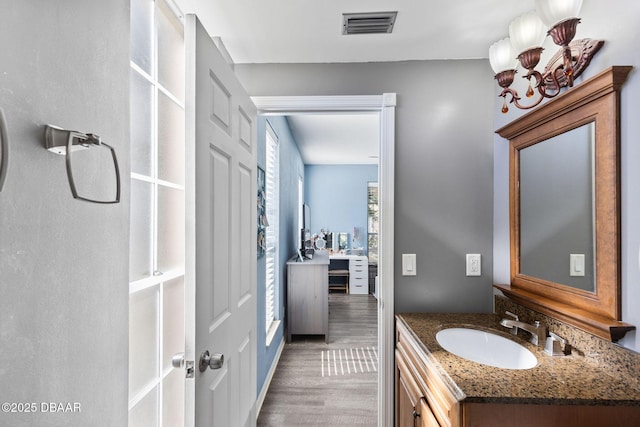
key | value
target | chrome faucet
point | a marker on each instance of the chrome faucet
(537, 331)
(557, 346)
(513, 330)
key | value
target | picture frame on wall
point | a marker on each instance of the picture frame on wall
(262, 214)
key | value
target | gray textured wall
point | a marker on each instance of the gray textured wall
(63, 262)
(444, 166)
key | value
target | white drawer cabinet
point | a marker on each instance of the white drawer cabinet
(358, 275)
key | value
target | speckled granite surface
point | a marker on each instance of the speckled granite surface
(610, 356)
(566, 380)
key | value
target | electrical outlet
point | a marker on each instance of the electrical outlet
(474, 265)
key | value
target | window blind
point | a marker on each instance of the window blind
(272, 185)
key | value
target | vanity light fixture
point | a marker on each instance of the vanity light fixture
(558, 19)
(64, 142)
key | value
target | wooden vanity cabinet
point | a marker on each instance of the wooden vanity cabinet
(408, 396)
(412, 408)
(422, 397)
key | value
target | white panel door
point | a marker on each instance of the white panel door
(221, 127)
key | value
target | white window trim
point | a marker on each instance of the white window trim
(271, 333)
(296, 232)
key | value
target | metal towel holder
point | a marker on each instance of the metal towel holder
(64, 142)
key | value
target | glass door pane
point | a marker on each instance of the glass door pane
(141, 114)
(170, 130)
(157, 219)
(141, 230)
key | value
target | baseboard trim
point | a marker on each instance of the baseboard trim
(267, 381)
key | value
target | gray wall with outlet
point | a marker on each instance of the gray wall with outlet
(443, 170)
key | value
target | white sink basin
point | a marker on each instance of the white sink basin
(486, 348)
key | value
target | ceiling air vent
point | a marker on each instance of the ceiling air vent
(368, 23)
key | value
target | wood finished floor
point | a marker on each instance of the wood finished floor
(299, 394)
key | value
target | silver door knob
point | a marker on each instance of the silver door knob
(213, 361)
(177, 361)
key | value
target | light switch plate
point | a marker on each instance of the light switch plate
(576, 265)
(474, 265)
(408, 264)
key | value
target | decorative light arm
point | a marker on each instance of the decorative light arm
(543, 89)
(562, 33)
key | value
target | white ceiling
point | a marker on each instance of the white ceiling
(276, 31)
(347, 138)
(310, 31)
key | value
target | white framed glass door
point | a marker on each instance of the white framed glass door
(157, 224)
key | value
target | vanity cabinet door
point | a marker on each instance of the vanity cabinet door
(408, 395)
(440, 401)
(427, 418)
(412, 409)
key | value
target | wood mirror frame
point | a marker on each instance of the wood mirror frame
(595, 100)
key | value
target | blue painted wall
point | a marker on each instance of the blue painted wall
(291, 167)
(337, 198)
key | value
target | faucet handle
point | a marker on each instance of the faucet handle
(557, 346)
(558, 338)
(515, 316)
(514, 330)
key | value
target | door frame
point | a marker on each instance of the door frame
(385, 105)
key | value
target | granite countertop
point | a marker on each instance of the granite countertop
(555, 380)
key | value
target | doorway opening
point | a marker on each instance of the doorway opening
(385, 106)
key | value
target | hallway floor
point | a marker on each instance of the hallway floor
(329, 384)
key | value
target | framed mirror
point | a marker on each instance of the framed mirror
(564, 184)
(557, 215)
(343, 241)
